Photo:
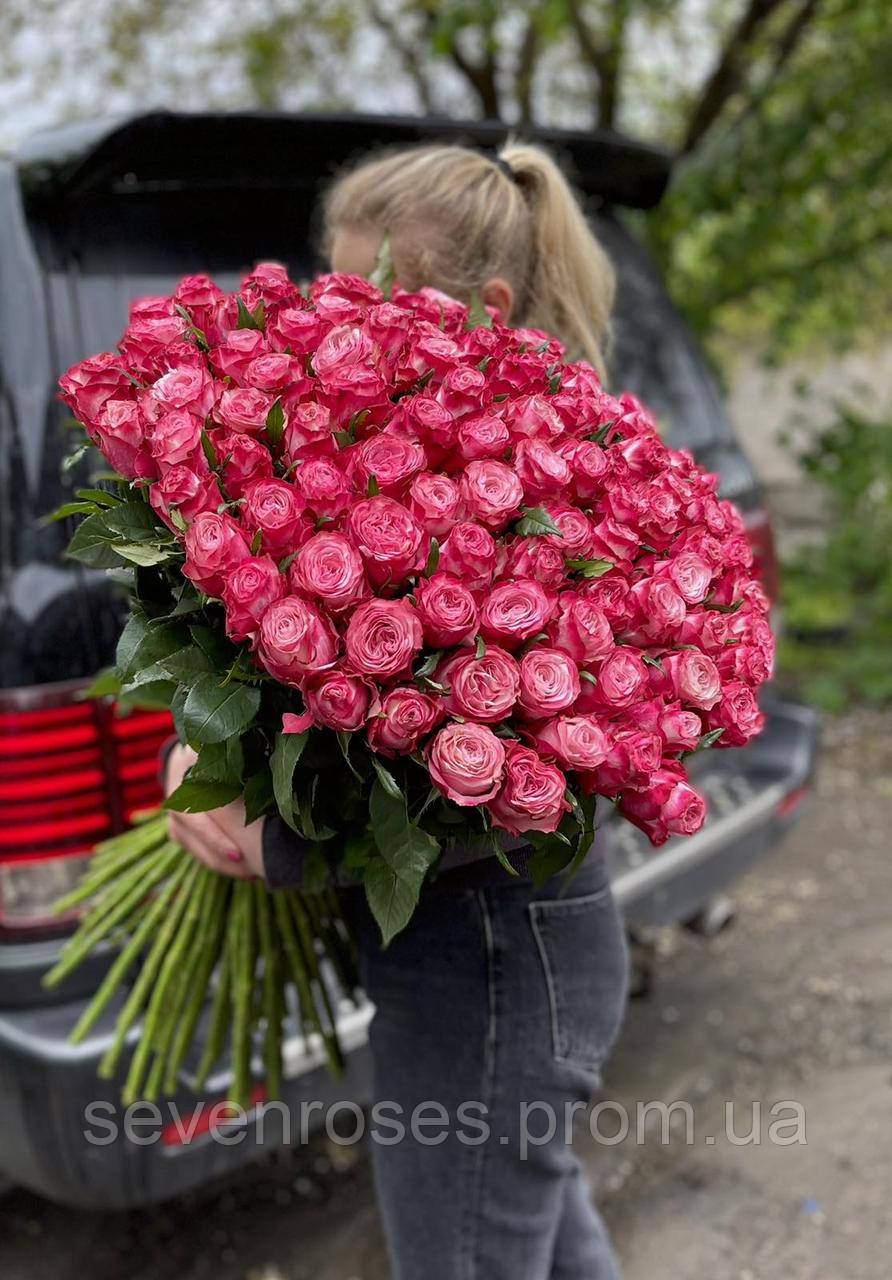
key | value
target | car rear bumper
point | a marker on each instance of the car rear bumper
(48, 1135)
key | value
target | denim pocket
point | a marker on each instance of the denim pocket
(582, 945)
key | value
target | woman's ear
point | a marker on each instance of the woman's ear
(498, 293)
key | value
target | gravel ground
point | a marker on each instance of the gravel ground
(794, 1002)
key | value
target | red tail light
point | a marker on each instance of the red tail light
(761, 539)
(72, 773)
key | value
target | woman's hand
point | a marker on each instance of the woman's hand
(218, 838)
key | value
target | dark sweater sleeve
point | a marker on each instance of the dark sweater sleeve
(283, 855)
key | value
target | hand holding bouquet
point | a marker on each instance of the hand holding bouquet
(407, 580)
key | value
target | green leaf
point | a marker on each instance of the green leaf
(257, 542)
(392, 900)
(477, 313)
(197, 795)
(709, 739)
(106, 682)
(317, 872)
(246, 319)
(212, 714)
(599, 436)
(258, 795)
(358, 851)
(652, 662)
(536, 523)
(589, 568)
(141, 554)
(429, 665)
(68, 509)
(383, 274)
(553, 856)
(345, 737)
(210, 453)
(93, 544)
(197, 334)
(372, 489)
(433, 558)
(275, 424)
(479, 647)
(405, 847)
(587, 675)
(101, 497)
(283, 761)
(387, 780)
(157, 694)
(144, 643)
(135, 521)
(187, 663)
(72, 459)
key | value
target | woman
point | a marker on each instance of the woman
(498, 1004)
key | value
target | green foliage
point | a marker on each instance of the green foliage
(837, 595)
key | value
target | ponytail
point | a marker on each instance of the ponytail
(571, 285)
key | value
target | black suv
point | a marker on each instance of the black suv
(91, 215)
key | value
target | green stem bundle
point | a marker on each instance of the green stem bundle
(191, 940)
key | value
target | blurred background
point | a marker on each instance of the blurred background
(775, 241)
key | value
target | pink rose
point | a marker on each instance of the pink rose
(578, 742)
(268, 283)
(232, 357)
(295, 641)
(434, 501)
(388, 537)
(532, 797)
(670, 807)
(242, 461)
(470, 554)
(549, 683)
(308, 431)
(681, 729)
(541, 470)
(461, 391)
(447, 610)
(146, 341)
(614, 541)
(589, 467)
(422, 416)
(188, 387)
(214, 545)
(176, 439)
(660, 608)
(633, 756)
(622, 679)
(516, 610)
(466, 762)
(337, 700)
(532, 416)
(691, 575)
(87, 386)
(191, 494)
(694, 678)
(393, 460)
(535, 558)
(297, 330)
(492, 492)
(483, 688)
(581, 630)
(120, 433)
(383, 637)
(406, 716)
(248, 591)
(274, 371)
(329, 569)
(244, 410)
(341, 347)
(325, 488)
(576, 535)
(737, 713)
(276, 509)
(483, 436)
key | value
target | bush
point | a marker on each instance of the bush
(837, 592)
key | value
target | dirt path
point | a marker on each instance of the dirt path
(792, 1003)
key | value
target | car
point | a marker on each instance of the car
(91, 215)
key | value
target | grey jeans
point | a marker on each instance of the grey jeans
(496, 1008)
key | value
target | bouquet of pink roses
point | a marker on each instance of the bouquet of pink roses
(379, 541)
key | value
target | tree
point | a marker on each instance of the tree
(778, 111)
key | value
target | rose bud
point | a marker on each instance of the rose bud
(214, 545)
(325, 488)
(466, 762)
(470, 554)
(87, 386)
(120, 433)
(393, 460)
(242, 461)
(176, 439)
(270, 284)
(737, 713)
(388, 537)
(491, 492)
(187, 387)
(383, 637)
(483, 436)
(191, 494)
(248, 591)
(406, 716)
(483, 688)
(694, 678)
(435, 502)
(447, 609)
(244, 410)
(515, 611)
(581, 630)
(577, 742)
(339, 701)
(541, 470)
(295, 641)
(276, 509)
(330, 570)
(308, 431)
(549, 683)
(532, 797)
(535, 558)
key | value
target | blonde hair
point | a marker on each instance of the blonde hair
(462, 217)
